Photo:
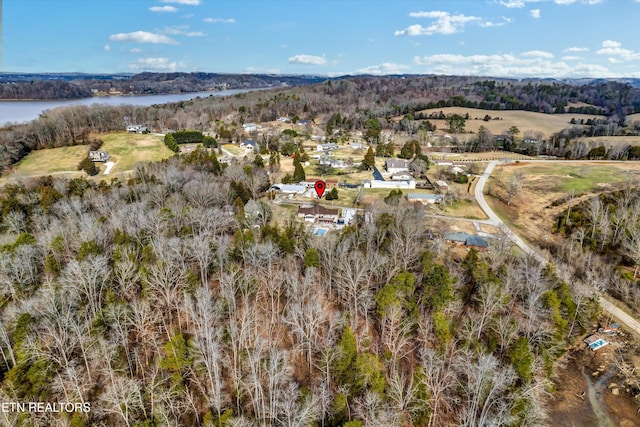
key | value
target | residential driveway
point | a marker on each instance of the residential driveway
(605, 300)
(109, 166)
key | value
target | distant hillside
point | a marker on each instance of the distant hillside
(75, 85)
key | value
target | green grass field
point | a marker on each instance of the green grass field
(567, 178)
(503, 120)
(125, 150)
(53, 160)
(233, 149)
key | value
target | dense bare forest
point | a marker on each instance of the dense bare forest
(604, 231)
(165, 301)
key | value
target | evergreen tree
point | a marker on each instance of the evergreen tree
(393, 199)
(298, 172)
(258, 161)
(333, 194)
(311, 258)
(369, 159)
(88, 166)
(522, 359)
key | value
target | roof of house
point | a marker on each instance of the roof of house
(467, 239)
(396, 163)
(317, 210)
(289, 188)
(422, 196)
(401, 174)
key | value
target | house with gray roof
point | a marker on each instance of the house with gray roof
(396, 165)
(468, 240)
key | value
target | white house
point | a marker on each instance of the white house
(396, 165)
(401, 176)
(249, 144)
(327, 147)
(288, 188)
(249, 127)
(376, 183)
(136, 129)
(98, 156)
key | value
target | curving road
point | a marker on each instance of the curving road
(605, 300)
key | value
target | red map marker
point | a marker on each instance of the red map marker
(320, 187)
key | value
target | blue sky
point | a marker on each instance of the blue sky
(501, 38)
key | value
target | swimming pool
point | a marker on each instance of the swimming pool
(321, 231)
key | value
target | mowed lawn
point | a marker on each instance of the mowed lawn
(127, 149)
(52, 160)
(503, 120)
(578, 177)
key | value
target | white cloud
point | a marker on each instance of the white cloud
(107, 47)
(186, 2)
(535, 13)
(307, 60)
(254, 70)
(183, 31)
(537, 54)
(444, 23)
(611, 43)
(517, 3)
(616, 52)
(162, 9)
(508, 65)
(571, 58)
(220, 20)
(384, 69)
(591, 2)
(523, 3)
(505, 21)
(157, 64)
(577, 49)
(142, 37)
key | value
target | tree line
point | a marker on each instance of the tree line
(60, 87)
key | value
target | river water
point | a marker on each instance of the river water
(24, 111)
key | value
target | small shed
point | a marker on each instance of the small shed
(442, 186)
(425, 199)
(595, 342)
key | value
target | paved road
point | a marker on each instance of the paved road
(605, 300)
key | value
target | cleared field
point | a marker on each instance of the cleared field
(233, 149)
(53, 160)
(531, 212)
(567, 177)
(127, 149)
(465, 208)
(502, 120)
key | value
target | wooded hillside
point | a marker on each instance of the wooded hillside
(175, 299)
